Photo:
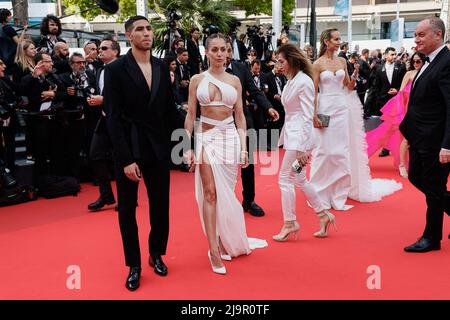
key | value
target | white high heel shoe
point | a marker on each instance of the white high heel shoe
(218, 270)
(225, 257)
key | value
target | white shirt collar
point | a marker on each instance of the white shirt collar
(433, 55)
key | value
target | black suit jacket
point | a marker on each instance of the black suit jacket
(427, 122)
(382, 84)
(248, 85)
(139, 120)
(273, 90)
(195, 58)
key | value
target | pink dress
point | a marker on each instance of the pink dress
(387, 135)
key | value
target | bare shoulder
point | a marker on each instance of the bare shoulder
(318, 65)
(234, 80)
(343, 61)
(196, 79)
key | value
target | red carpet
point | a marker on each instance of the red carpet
(41, 239)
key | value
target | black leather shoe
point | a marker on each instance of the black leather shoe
(158, 265)
(7, 180)
(133, 278)
(384, 153)
(423, 245)
(100, 203)
(253, 208)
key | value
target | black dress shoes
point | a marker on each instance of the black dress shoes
(423, 245)
(133, 278)
(100, 203)
(6, 179)
(158, 265)
(384, 153)
(253, 208)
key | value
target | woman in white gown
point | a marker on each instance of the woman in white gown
(220, 148)
(339, 168)
(298, 139)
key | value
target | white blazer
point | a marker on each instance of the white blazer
(298, 102)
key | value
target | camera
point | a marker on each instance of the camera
(82, 92)
(173, 17)
(210, 29)
(252, 31)
(233, 27)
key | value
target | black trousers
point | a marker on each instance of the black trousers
(156, 178)
(100, 156)
(248, 176)
(428, 175)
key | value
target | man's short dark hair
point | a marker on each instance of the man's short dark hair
(193, 30)
(256, 61)
(364, 51)
(181, 51)
(44, 24)
(344, 45)
(40, 56)
(129, 23)
(354, 55)
(75, 54)
(389, 49)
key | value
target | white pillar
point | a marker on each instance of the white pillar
(276, 20)
(398, 9)
(349, 24)
(142, 8)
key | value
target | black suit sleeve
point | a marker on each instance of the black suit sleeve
(113, 109)
(444, 86)
(254, 92)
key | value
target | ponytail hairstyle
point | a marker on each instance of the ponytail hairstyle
(325, 36)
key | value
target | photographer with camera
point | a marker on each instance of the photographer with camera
(100, 153)
(81, 119)
(46, 96)
(173, 31)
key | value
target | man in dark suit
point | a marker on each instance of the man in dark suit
(426, 126)
(364, 75)
(139, 107)
(248, 85)
(344, 50)
(275, 84)
(101, 146)
(183, 73)
(387, 82)
(388, 79)
(192, 45)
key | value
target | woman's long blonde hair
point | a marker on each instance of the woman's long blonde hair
(297, 60)
(325, 36)
(21, 58)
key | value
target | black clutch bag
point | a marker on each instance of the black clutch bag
(324, 119)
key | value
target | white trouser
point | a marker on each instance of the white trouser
(288, 180)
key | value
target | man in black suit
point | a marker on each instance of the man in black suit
(275, 84)
(344, 50)
(426, 126)
(388, 79)
(139, 107)
(101, 146)
(364, 75)
(387, 82)
(183, 73)
(248, 85)
(192, 45)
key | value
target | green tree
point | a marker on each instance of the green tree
(265, 6)
(126, 8)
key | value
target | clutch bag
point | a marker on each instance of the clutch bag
(324, 119)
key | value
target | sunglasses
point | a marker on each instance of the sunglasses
(417, 61)
(104, 48)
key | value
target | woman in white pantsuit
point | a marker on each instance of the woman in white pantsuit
(297, 138)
